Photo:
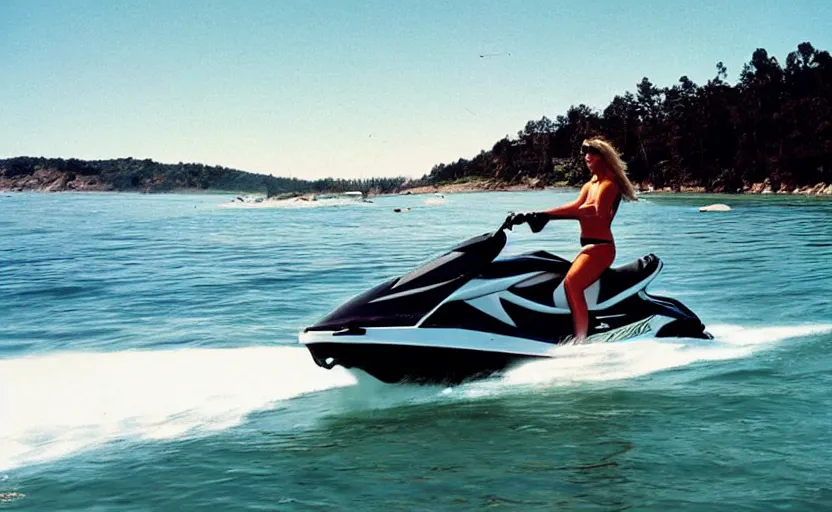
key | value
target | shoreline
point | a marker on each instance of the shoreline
(762, 189)
(61, 180)
(756, 189)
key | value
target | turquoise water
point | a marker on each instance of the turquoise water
(149, 361)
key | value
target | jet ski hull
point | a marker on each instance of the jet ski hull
(394, 364)
(421, 355)
(441, 356)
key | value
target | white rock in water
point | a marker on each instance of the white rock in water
(715, 208)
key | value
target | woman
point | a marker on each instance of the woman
(594, 208)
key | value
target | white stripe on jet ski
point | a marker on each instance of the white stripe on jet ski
(629, 291)
(462, 339)
(532, 305)
(410, 292)
(590, 295)
(560, 294)
(542, 278)
(490, 305)
(478, 288)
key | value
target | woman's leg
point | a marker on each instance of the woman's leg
(586, 268)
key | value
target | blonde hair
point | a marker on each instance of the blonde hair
(616, 165)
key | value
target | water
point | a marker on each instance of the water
(149, 361)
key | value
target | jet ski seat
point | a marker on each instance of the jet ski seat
(628, 274)
(615, 280)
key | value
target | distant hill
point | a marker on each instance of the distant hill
(131, 175)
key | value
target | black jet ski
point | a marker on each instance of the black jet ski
(468, 315)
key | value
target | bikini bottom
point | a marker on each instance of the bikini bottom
(594, 241)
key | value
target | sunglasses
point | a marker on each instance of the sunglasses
(590, 149)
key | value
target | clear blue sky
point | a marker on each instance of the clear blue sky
(349, 88)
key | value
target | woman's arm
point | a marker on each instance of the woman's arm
(569, 210)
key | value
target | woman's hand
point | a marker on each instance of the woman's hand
(515, 219)
(536, 220)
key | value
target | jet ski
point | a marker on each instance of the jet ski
(469, 314)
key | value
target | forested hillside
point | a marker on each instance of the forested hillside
(128, 174)
(774, 124)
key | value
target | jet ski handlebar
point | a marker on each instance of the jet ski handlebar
(536, 220)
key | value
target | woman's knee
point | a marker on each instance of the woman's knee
(571, 286)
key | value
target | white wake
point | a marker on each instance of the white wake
(57, 404)
(593, 363)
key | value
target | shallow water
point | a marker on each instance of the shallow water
(149, 361)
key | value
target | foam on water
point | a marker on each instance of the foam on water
(646, 355)
(294, 203)
(436, 201)
(58, 404)
(600, 362)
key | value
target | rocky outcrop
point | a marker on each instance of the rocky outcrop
(821, 189)
(763, 187)
(52, 180)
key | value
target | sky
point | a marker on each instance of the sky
(350, 89)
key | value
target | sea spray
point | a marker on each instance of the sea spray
(58, 404)
(593, 363)
(62, 403)
(639, 357)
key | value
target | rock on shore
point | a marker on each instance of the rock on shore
(820, 189)
(52, 180)
(764, 187)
